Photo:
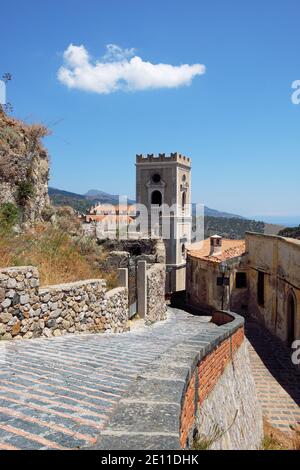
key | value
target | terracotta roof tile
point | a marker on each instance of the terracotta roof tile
(230, 249)
(111, 218)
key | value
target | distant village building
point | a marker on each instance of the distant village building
(274, 283)
(106, 220)
(259, 277)
(99, 212)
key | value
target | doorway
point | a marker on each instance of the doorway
(291, 319)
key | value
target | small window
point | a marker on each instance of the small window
(241, 280)
(261, 288)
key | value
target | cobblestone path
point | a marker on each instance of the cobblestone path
(58, 393)
(277, 379)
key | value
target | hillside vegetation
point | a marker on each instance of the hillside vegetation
(57, 248)
(293, 232)
(64, 198)
(233, 228)
(31, 231)
(82, 202)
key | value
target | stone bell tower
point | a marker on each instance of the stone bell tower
(163, 185)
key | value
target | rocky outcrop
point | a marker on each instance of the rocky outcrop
(24, 168)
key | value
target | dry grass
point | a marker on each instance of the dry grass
(59, 257)
(274, 439)
(296, 438)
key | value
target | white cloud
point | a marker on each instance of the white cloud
(121, 69)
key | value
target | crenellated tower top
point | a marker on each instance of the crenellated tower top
(162, 157)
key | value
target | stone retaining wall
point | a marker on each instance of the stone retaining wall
(156, 305)
(201, 387)
(79, 307)
(220, 403)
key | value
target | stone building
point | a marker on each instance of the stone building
(163, 187)
(100, 211)
(274, 283)
(259, 277)
(216, 275)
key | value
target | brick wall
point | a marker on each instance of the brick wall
(203, 381)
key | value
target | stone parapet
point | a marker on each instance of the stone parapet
(162, 157)
(202, 386)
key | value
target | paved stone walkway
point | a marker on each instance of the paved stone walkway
(277, 379)
(60, 392)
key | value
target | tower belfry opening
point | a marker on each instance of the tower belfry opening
(156, 198)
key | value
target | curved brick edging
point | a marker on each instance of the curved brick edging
(160, 409)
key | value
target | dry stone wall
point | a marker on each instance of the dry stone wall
(79, 307)
(156, 306)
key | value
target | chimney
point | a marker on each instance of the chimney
(215, 245)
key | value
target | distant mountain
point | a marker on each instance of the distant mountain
(96, 194)
(82, 202)
(79, 202)
(224, 223)
(215, 213)
(53, 192)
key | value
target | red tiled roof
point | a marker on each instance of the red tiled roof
(109, 218)
(230, 249)
(103, 209)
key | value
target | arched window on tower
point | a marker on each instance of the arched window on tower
(156, 198)
(183, 200)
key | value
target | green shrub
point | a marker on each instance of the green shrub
(9, 215)
(25, 191)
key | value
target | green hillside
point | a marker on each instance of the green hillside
(290, 232)
(64, 198)
(233, 228)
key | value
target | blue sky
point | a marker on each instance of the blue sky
(237, 121)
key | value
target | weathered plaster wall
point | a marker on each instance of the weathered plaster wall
(80, 307)
(201, 286)
(279, 259)
(156, 306)
(203, 291)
